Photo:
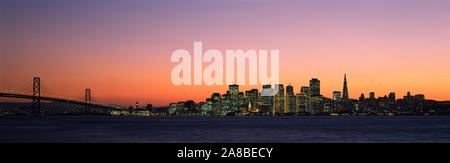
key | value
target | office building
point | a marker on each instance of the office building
(314, 85)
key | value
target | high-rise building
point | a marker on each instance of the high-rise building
(233, 90)
(225, 103)
(408, 97)
(216, 103)
(392, 97)
(316, 104)
(289, 89)
(345, 90)
(362, 98)
(215, 96)
(241, 102)
(419, 97)
(206, 107)
(172, 108)
(301, 103)
(279, 99)
(251, 99)
(235, 98)
(305, 90)
(181, 108)
(372, 95)
(314, 85)
(266, 99)
(337, 95)
(290, 103)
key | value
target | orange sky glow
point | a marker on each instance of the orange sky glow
(122, 50)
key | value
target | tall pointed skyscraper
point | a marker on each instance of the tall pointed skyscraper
(345, 91)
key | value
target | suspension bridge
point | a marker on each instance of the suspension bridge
(33, 92)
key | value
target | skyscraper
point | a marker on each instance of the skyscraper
(251, 98)
(314, 85)
(266, 99)
(372, 95)
(419, 97)
(306, 91)
(290, 100)
(289, 89)
(345, 91)
(362, 98)
(233, 89)
(301, 103)
(236, 98)
(225, 104)
(392, 97)
(216, 103)
(336, 95)
(279, 99)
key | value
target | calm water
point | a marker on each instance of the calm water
(225, 129)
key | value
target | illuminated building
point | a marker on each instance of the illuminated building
(266, 99)
(345, 90)
(316, 104)
(314, 85)
(251, 98)
(233, 101)
(172, 108)
(290, 100)
(216, 103)
(205, 107)
(301, 103)
(241, 102)
(307, 92)
(336, 95)
(225, 103)
(233, 89)
(279, 99)
(233, 92)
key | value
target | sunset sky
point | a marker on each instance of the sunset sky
(121, 49)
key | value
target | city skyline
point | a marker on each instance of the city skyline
(121, 50)
(341, 95)
(314, 86)
(276, 100)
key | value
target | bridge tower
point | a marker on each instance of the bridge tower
(36, 96)
(87, 99)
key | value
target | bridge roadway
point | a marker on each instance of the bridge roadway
(53, 99)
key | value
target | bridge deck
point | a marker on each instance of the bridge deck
(53, 99)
